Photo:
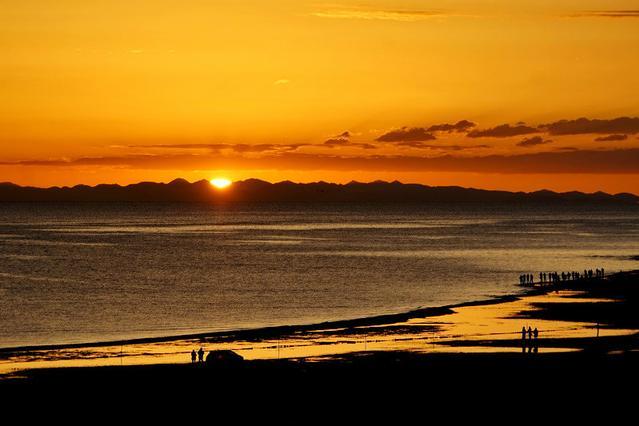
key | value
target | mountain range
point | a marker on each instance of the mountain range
(255, 190)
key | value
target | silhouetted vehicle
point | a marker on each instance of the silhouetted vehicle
(223, 358)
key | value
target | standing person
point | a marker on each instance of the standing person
(530, 333)
(200, 355)
(193, 355)
(536, 333)
(523, 333)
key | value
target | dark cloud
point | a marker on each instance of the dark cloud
(611, 138)
(336, 142)
(406, 134)
(629, 125)
(624, 161)
(503, 131)
(533, 141)
(460, 126)
(343, 140)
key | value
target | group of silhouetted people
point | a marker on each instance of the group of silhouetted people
(531, 342)
(526, 279)
(197, 356)
(557, 277)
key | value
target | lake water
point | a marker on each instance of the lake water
(95, 272)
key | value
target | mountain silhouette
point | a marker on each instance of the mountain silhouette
(255, 190)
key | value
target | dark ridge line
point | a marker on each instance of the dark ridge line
(255, 190)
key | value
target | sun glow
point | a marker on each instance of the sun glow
(220, 183)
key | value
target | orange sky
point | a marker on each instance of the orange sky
(124, 91)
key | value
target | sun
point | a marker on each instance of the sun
(220, 183)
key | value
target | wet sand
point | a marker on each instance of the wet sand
(591, 322)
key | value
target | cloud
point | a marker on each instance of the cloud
(241, 148)
(460, 126)
(533, 141)
(583, 125)
(400, 15)
(611, 138)
(503, 131)
(422, 145)
(343, 140)
(406, 134)
(619, 161)
(336, 142)
(605, 14)
(265, 147)
(566, 148)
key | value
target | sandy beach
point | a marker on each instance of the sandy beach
(587, 321)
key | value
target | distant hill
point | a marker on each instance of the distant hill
(254, 190)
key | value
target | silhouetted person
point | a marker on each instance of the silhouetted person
(200, 355)
(523, 333)
(193, 355)
(530, 333)
(536, 333)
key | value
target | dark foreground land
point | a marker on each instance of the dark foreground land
(490, 385)
(597, 369)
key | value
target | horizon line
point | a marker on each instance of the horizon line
(380, 181)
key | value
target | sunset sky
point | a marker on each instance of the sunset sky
(517, 95)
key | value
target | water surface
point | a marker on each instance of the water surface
(73, 273)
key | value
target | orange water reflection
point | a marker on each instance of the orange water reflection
(431, 334)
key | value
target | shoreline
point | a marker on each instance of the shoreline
(272, 331)
(597, 317)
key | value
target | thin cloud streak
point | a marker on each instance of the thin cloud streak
(240, 148)
(622, 161)
(605, 14)
(422, 145)
(379, 14)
